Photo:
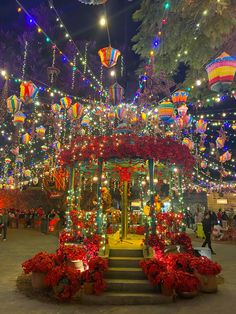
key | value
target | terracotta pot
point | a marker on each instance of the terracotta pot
(88, 288)
(37, 280)
(208, 283)
(76, 264)
(167, 291)
(188, 295)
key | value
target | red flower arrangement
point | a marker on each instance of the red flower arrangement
(129, 146)
(152, 269)
(184, 240)
(205, 266)
(178, 261)
(66, 237)
(92, 245)
(186, 282)
(157, 243)
(72, 252)
(41, 262)
(66, 279)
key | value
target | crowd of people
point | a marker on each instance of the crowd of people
(33, 218)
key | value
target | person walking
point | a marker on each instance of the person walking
(207, 226)
(4, 223)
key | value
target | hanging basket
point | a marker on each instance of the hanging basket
(38, 280)
(208, 283)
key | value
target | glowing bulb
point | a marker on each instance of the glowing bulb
(112, 73)
(198, 82)
(103, 21)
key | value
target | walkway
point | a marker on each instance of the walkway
(22, 244)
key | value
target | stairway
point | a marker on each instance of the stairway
(126, 282)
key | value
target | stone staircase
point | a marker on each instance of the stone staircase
(126, 282)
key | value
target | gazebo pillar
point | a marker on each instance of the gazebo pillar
(151, 185)
(78, 188)
(99, 198)
(124, 214)
(70, 197)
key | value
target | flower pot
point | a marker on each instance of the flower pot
(188, 295)
(88, 288)
(208, 283)
(167, 291)
(37, 280)
(76, 264)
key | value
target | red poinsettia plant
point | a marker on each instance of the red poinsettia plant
(152, 269)
(42, 262)
(72, 252)
(178, 261)
(184, 240)
(205, 266)
(157, 243)
(92, 245)
(65, 280)
(186, 282)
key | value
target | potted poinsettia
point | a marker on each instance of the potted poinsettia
(39, 265)
(167, 280)
(206, 270)
(187, 285)
(64, 280)
(73, 255)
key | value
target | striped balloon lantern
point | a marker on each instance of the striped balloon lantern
(40, 131)
(203, 164)
(134, 118)
(27, 173)
(44, 148)
(111, 115)
(234, 126)
(57, 145)
(19, 119)
(28, 92)
(98, 110)
(186, 141)
(66, 102)
(221, 72)
(220, 142)
(76, 110)
(56, 108)
(121, 113)
(85, 121)
(201, 126)
(7, 160)
(19, 159)
(116, 92)
(225, 157)
(13, 104)
(26, 138)
(179, 97)
(109, 56)
(166, 111)
(182, 110)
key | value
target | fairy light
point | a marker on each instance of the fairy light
(73, 73)
(24, 60)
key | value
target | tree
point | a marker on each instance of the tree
(189, 31)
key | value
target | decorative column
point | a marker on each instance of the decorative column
(99, 197)
(180, 192)
(170, 188)
(78, 188)
(124, 214)
(70, 197)
(151, 185)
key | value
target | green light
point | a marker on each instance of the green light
(167, 5)
(47, 39)
(74, 68)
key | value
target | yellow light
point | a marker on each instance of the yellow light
(151, 53)
(19, 10)
(112, 73)
(39, 30)
(103, 21)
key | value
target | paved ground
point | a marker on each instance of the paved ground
(22, 244)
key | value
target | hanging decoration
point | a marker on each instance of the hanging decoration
(19, 119)
(28, 92)
(182, 110)
(220, 142)
(7, 160)
(111, 115)
(179, 97)
(44, 148)
(203, 164)
(56, 108)
(76, 110)
(109, 56)
(85, 121)
(94, 2)
(221, 72)
(53, 72)
(186, 141)
(13, 104)
(40, 131)
(57, 145)
(201, 126)
(225, 157)
(26, 138)
(166, 111)
(116, 92)
(66, 102)
(24, 60)
(121, 113)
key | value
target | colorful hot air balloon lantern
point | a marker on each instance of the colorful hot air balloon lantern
(94, 2)
(19, 119)
(166, 111)
(116, 92)
(76, 110)
(40, 131)
(111, 115)
(234, 126)
(66, 102)
(56, 108)
(143, 116)
(179, 97)
(57, 145)
(121, 113)
(225, 157)
(203, 164)
(220, 142)
(85, 121)
(26, 138)
(201, 126)
(98, 111)
(44, 148)
(182, 110)
(7, 161)
(28, 92)
(134, 118)
(13, 104)
(186, 141)
(221, 72)
(109, 56)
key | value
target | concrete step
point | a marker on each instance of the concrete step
(124, 261)
(125, 273)
(126, 253)
(116, 298)
(129, 285)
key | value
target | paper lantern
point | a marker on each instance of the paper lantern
(111, 115)
(66, 102)
(234, 126)
(7, 161)
(203, 164)
(220, 142)
(85, 121)
(182, 110)
(201, 126)
(13, 104)
(225, 157)
(56, 108)
(76, 110)
(109, 56)
(26, 138)
(186, 141)
(121, 113)
(166, 111)
(19, 119)
(28, 92)
(57, 145)
(221, 72)
(40, 131)
(93, 2)
(179, 97)
(19, 159)
(27, 173)
(116, 92)
(44, 148)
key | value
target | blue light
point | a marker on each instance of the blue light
(156, 43)
(64, 59)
